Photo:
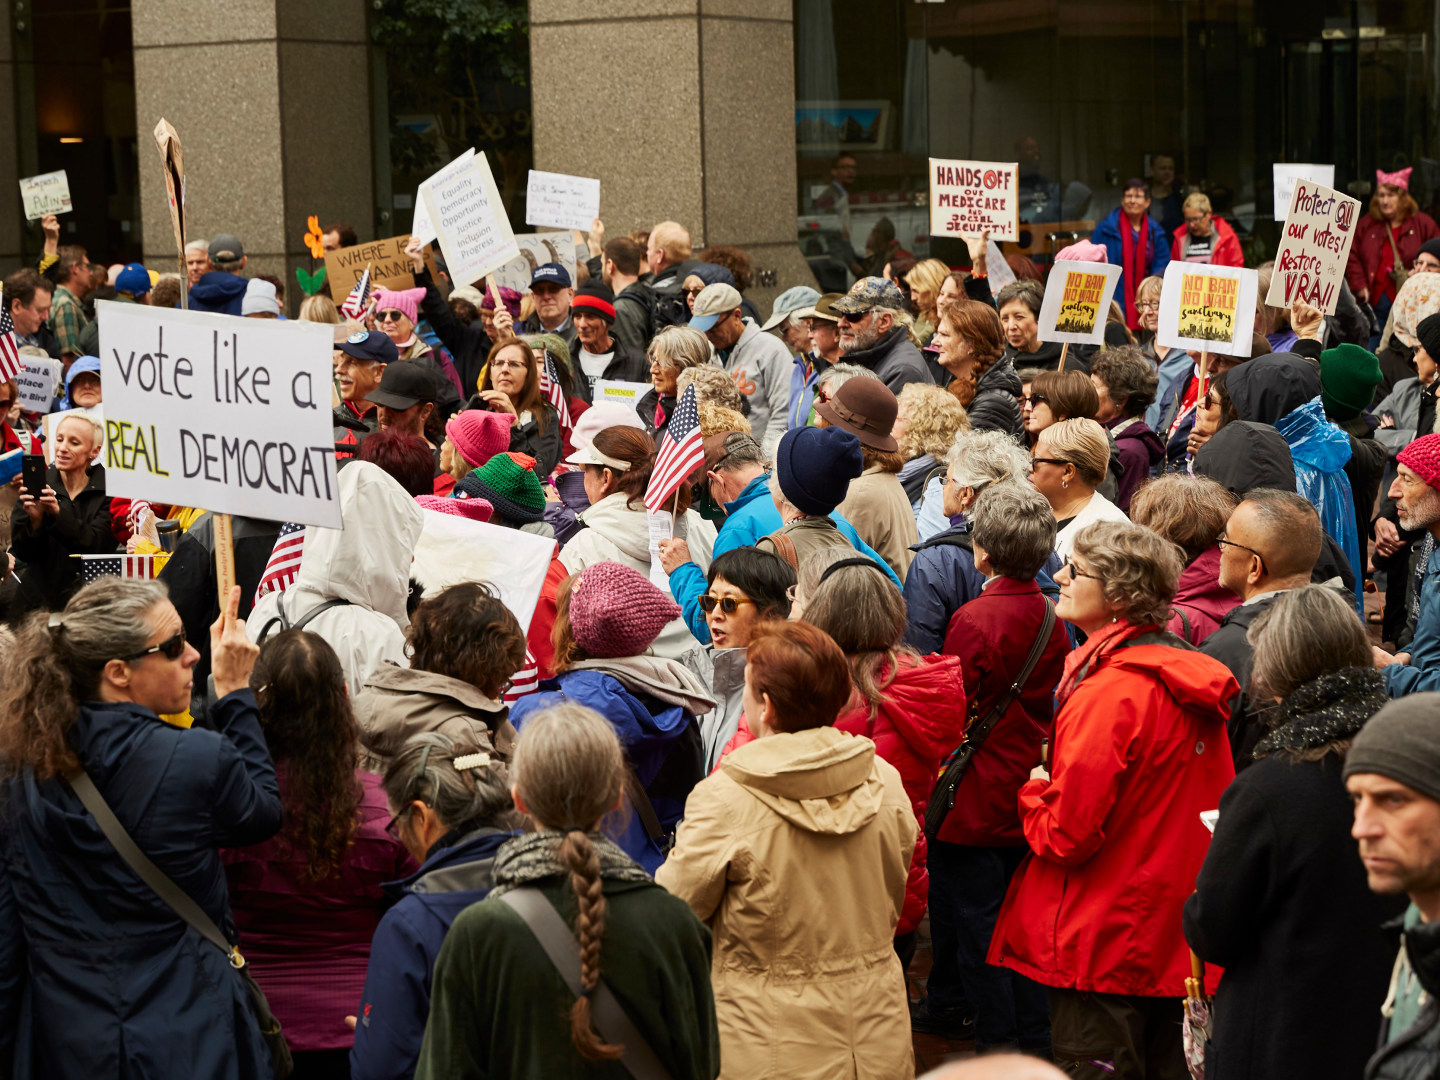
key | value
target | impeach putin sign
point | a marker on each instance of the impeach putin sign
(219, 412)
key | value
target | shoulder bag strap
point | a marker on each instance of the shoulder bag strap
(785, 548)
(611, 1021)
(640, 800)
(318, 609)
(978, 732)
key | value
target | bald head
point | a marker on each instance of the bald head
(997, 1067)
(669, 245)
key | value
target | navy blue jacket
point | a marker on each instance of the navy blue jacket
(98, 977)
(391, 1022)
(219, 292)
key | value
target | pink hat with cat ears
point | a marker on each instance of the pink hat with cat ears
(1399, 179)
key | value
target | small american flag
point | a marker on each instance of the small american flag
(284, 565)
(681, 451)
(9, 347)
(554, 392)
(94, 567)
(525, 681)
(355, 304)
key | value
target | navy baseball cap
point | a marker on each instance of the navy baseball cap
(369, 345)
(552, 273)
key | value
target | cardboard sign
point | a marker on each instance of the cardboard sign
(1077, 301)
(389, 266)
(51, 421)
(172, 160)
(1314, 247)
(48, 193)
(423, 227)
(1285, 176)
(453, 549)
(968, 197)
(561, 201)
(622, 393)
(214, 411)
(536, 249)
(1207, 308)
(470, 219)
(38, 377)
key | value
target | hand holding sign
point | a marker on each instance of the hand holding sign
(1314, 247)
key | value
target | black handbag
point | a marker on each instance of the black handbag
(180, 902)
(942, 799)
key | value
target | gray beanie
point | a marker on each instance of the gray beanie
(1401, 742)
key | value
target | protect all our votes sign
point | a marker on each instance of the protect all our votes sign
(968, 197)
(1314, 247)
(219, 412)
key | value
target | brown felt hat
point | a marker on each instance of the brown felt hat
(866, 408)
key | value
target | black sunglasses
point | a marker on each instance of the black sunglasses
(172, 648)
(1049, 461)
(728, 604)
(1036, 399)
(1075, 571)
(389, 313)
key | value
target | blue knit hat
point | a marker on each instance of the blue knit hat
(815, 467)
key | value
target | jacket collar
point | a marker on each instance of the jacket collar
(472, 854)
(752, 491)
(1009, 586)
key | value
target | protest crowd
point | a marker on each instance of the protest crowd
(890, 622)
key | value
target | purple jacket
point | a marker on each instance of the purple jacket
(1140, 451)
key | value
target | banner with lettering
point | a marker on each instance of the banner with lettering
(1314, 247)
(1207, 308)
(968, 197)
(1077, 302)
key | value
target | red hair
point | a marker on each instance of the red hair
(803, 671)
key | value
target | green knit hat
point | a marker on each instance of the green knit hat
(509, 482)
(1348, 378)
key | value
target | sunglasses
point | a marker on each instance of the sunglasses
(1035, 399)
(1075, 571)
(389, 315)
(172, 648)
(728, 604)
(1049, 461)
(694, 292)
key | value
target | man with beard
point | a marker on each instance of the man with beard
(874, 333)
(1416, 492)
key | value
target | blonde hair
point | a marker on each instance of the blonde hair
(929, 274)
(1083, 442)
(717, 418)
(712, 384)
(97, 430)
(678, 347)
(933, 417)
(1197, 200)
(1150, 287)
(319, 308)
(673, 239)
(1136, 568)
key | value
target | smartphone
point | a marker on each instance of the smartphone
(32, 473)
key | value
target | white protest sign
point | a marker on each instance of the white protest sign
(48, 193)
(1077, 301)
(1207, 307)
(660, 525)
(968, 197)
(561, 201)
(215, 411)
(470, 219)
(452, 550)
(38, 377)
(535, 250)
(997, 269)
(423, 227)
(622, 393)
(51, 421)
(1285, 176)
(1314, 247)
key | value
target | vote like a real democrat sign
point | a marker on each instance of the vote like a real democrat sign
(219, 412)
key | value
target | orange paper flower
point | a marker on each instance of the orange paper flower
(313, 240)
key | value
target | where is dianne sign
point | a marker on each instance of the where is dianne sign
(968, 197)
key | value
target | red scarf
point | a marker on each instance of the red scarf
(1133, 262)
(1088, 656)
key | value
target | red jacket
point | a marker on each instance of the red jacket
(1139, 751)
(920, 720)
(992, 634)
(1201, 596)
(1370, 243)
(1226, 250)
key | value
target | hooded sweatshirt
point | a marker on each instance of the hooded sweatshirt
(366, 563)
(399, 702)
(218, 291)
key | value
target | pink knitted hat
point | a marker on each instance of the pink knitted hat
(1422, 457)
(615, 611)
(479, 434)
(1400, 179)
(406, 300)
(1083, 251)
(471, 509)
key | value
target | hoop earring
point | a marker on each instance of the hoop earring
(1064, 483)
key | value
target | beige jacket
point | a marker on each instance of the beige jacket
(400, 702)
(795, 852)
(880, 510)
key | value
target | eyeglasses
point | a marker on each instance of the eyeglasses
(1075, 571)
(172, 648)
(1224, 541)
(507, 365)
(1147, 305)
(392, 828)
(389, 315)
(728, 604)
(694, 291)
(1049, 461)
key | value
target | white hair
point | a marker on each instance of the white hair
(980, 458)
(199, 245)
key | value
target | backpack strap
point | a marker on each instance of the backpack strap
(785, 548)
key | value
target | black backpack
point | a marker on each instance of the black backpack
(670, 307)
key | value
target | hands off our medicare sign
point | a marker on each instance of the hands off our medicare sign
(968, 197)
(219, 412)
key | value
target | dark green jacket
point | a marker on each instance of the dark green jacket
(499, 1008)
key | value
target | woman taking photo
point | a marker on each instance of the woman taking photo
(1067, 465)
(499, 1006)
(511, 386)
(971, 346)
(1281, 875)
(766, 840)
(671, 351)
(307, 902)
(1138, 751)
(85, 690)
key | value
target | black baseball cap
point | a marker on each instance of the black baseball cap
(402, 385)
(369, 345)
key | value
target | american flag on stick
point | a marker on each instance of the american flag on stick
(9, 347)
(554, 392)
(359, 298)
(681, 452)
(284, 565)
(145, 567)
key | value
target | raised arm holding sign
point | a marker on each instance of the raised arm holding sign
(1314, 247)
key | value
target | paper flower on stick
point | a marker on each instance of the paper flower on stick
(310, 284)
(313, 240)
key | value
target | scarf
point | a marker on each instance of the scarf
(1133, 263)
(531, 858)
(1332, 708)
(1080, 661)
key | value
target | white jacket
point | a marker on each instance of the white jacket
(1098, 508)
(761, 365)
(615, 533)
(367, 562)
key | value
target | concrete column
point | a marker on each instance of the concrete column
(10, 216)
(685, 110)
(271, 99)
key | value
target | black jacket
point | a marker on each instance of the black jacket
(1228, 645)
(1282, 904)
(468, 345)
(82, 527)
(567, 332)
(635, 316)
(645, 409)
(894, 359)
(626, 365)
(996, 406)
(1047, 358)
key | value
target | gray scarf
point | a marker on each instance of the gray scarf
(662, 678)
(531, 858)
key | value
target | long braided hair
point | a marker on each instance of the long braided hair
(568, 769)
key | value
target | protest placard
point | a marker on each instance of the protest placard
(470, 219)
(1077, 300)
(453, 549)
(389, 266)
(968, 197)
(214, 411)
(39, 375)
(48, 193)
(561, 201)
(622, 393)
(1285, 175)
(172, 161)
(1207, 308)
(535, 249)
(997, 268)
(1314, 247)
(423, 227)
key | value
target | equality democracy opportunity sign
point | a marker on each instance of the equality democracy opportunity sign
(1077, 301)
(1207, 307)
(1310, 264)
(470, 219)
(968, 197)
(228, 414)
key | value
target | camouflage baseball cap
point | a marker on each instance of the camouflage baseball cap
(871, 292)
